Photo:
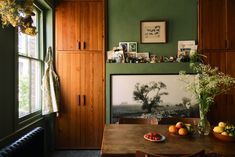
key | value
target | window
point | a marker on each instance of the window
(30, 65)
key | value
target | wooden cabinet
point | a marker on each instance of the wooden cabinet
(81, 121)
(79, 26)
(80, 66)
(217, 42)
(216, 24)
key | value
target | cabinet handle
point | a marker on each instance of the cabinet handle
(78, 99)
(84, 45)
(79, 45)
(84, 100)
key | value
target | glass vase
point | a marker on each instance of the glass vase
(204, 126)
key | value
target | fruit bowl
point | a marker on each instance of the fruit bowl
(224, 137)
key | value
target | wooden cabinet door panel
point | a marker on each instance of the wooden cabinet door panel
(69, 121)
(231, 94)
(92, 26)
(93, 89)
(67, 30)
(231, 23)
(213, 24)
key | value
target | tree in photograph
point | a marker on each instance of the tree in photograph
(149, 94)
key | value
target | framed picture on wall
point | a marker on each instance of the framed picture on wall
(153, 32)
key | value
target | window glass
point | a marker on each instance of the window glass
(29, 70)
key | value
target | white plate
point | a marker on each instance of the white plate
(163, 138)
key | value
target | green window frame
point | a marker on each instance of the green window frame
(30, 70)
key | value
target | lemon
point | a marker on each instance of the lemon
(224, 133)
(222, 124)
(218, 129)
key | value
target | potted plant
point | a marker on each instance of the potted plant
(207, 84)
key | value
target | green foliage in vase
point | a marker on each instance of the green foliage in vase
(207, 84)
(18, 13)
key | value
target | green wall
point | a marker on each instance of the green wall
(124, 18)
(8, 86)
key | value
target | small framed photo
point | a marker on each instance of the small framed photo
(142, 55)
(132, 46)
(153, 32)
(124, 46)
(128, 46)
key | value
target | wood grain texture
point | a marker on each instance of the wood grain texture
(81, 123)
(67, 30)
(174, 120)
(231, 24)
(126, 139)
(124, 120)
(80, 26)
(212, 24)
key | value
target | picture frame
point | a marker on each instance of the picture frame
(128, 46)
(153, 32)
(143, 55)
(174, 99)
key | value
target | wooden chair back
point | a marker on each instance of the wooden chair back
(174, 120)
(144, 154)
(125, 120)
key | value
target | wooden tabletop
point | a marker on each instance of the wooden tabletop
(125, 139)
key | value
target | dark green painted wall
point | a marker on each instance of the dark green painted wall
(7, 63)
(124, 18)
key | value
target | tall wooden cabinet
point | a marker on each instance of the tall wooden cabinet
(80, 66)
(217, 42)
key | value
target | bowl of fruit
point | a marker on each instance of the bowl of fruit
(154, 137)
(181, 129)
(224, 131)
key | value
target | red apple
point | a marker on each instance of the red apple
(179, 125)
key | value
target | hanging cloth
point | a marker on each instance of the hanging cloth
(50, 86)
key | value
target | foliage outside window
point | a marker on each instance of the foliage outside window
(29, 71)
(18, 13)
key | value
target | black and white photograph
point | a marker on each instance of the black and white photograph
(146, 96)
(153, 31)
(132, 46)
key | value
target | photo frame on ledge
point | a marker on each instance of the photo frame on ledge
(153, 32)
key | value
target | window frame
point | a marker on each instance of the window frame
(22, 121)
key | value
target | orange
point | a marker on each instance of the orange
(172, 129)
(182, 131)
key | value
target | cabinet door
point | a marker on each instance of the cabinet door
(93, 100)
(217, 59)
(231, 23)
(68, 124)
(212, 24)
(67, 35)
(92, 26)
(231, 94)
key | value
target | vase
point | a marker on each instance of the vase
(204, 126)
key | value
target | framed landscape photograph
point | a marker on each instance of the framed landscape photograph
(153, 32)
(150, 95)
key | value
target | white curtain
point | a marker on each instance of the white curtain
(50, 86)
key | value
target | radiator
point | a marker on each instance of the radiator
(29, 145)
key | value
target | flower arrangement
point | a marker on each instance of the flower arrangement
(207, 83)
(18, 13)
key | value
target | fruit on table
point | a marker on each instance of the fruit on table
(222, 124)
(180, 128)
(153, 136)
(172, 129)
(179, 125)
(218, 129)
(225, 129)
(183, 131)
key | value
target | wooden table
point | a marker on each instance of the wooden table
(124, 139)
